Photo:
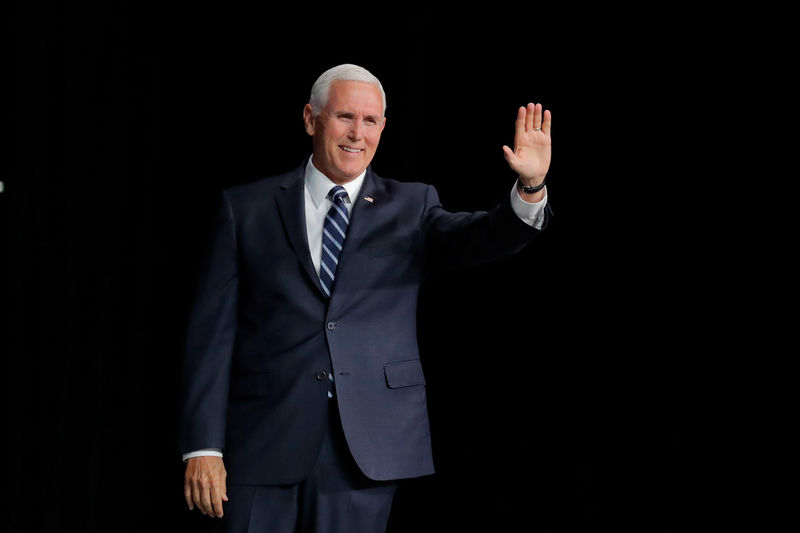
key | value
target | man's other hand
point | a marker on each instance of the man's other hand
(204, 484)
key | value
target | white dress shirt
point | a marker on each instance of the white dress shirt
(317, 204)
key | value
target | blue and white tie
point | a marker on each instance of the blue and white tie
(333, 233)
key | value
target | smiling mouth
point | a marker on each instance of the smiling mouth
(351, 150)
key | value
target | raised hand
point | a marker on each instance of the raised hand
(530, 157)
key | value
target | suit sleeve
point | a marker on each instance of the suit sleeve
(461, 240)
(210, 340)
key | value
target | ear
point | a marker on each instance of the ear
(308, 119)
(384, 124)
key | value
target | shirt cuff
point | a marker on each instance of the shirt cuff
(216, 452)
(530, 213)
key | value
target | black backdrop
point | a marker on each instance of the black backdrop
(562, 394)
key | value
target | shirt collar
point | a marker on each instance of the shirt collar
(319, 185)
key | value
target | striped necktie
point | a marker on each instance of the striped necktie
(333, 232)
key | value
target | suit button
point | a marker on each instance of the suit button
(331, 325)
(322, 375)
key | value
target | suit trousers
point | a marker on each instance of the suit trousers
(335, 498)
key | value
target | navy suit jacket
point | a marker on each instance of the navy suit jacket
(261, 328)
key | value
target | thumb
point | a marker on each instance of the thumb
(224, 497)
(509, 154)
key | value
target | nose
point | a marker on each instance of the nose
(356, 130)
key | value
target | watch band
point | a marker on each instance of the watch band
(531, 190)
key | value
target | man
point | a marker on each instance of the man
(302, 366)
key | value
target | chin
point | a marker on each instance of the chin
(350, 171)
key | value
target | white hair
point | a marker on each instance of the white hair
(345, 72)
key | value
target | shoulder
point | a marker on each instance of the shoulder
(256, 191)
(395, 187)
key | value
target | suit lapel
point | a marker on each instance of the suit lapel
(367, 210)
(291, 205)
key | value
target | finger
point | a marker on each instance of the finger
(509, 154)
(537, 116)
(208, 506)
(548, 119)
(187, 494)
(519, 125)
(197, 498)
(216, 501)
(529, 117)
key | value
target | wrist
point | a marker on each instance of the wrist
(531, 185)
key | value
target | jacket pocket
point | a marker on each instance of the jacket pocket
(404, 374)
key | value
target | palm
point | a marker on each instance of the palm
(532, 147)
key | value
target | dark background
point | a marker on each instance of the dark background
(564, 385)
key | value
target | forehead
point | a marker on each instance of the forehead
(355, 96)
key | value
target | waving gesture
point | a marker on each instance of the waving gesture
(531, 155)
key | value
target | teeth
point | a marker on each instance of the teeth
(351, 150)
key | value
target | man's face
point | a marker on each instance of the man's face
(347, 131)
